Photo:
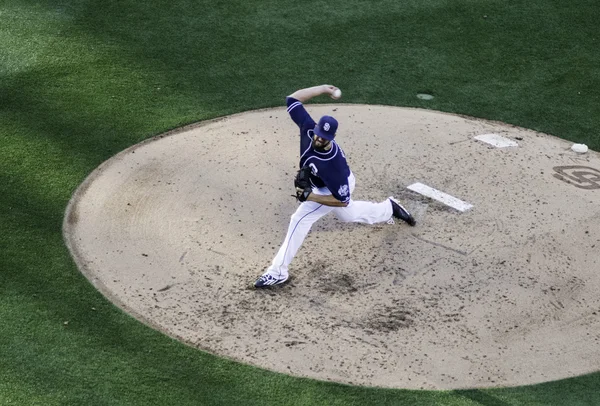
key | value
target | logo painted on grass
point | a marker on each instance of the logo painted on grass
(582, 177)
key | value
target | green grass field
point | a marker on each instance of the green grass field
(82, 80)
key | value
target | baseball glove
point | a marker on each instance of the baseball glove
(302, 184)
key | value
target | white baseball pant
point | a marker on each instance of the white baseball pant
(309, 212)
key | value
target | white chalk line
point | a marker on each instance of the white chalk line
(496, 140)
(440, 196)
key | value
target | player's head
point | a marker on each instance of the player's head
(326, 128)
(324, 133)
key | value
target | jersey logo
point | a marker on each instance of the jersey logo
(314, 168)
(343, 190)
(326, 127)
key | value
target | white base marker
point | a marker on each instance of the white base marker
(440, 196)
(496, 140)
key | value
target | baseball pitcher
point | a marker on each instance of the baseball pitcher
(323, 184)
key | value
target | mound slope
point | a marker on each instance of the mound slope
(175, 230)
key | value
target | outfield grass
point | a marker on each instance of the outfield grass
(83, 80)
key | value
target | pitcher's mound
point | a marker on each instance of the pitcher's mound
(497, 284)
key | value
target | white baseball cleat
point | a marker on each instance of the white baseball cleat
(267, 280)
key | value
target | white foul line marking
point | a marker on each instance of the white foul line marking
(440, 196)
(496, 140)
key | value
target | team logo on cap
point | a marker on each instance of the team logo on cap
(326, 127)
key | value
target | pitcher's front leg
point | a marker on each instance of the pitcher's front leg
(300, 224)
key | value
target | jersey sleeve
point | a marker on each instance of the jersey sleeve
(337, 183)
(299, 114)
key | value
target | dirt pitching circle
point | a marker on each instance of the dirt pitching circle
(176, 229)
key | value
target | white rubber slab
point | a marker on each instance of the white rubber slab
(496, 140)
(440, 196)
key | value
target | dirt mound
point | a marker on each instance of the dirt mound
(176, 229)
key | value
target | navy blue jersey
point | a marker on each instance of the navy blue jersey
(329, 169)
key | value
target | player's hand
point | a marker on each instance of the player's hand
(302, 194)
(329, 89)
(334, 92)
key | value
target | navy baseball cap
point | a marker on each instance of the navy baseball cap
(326, 128)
